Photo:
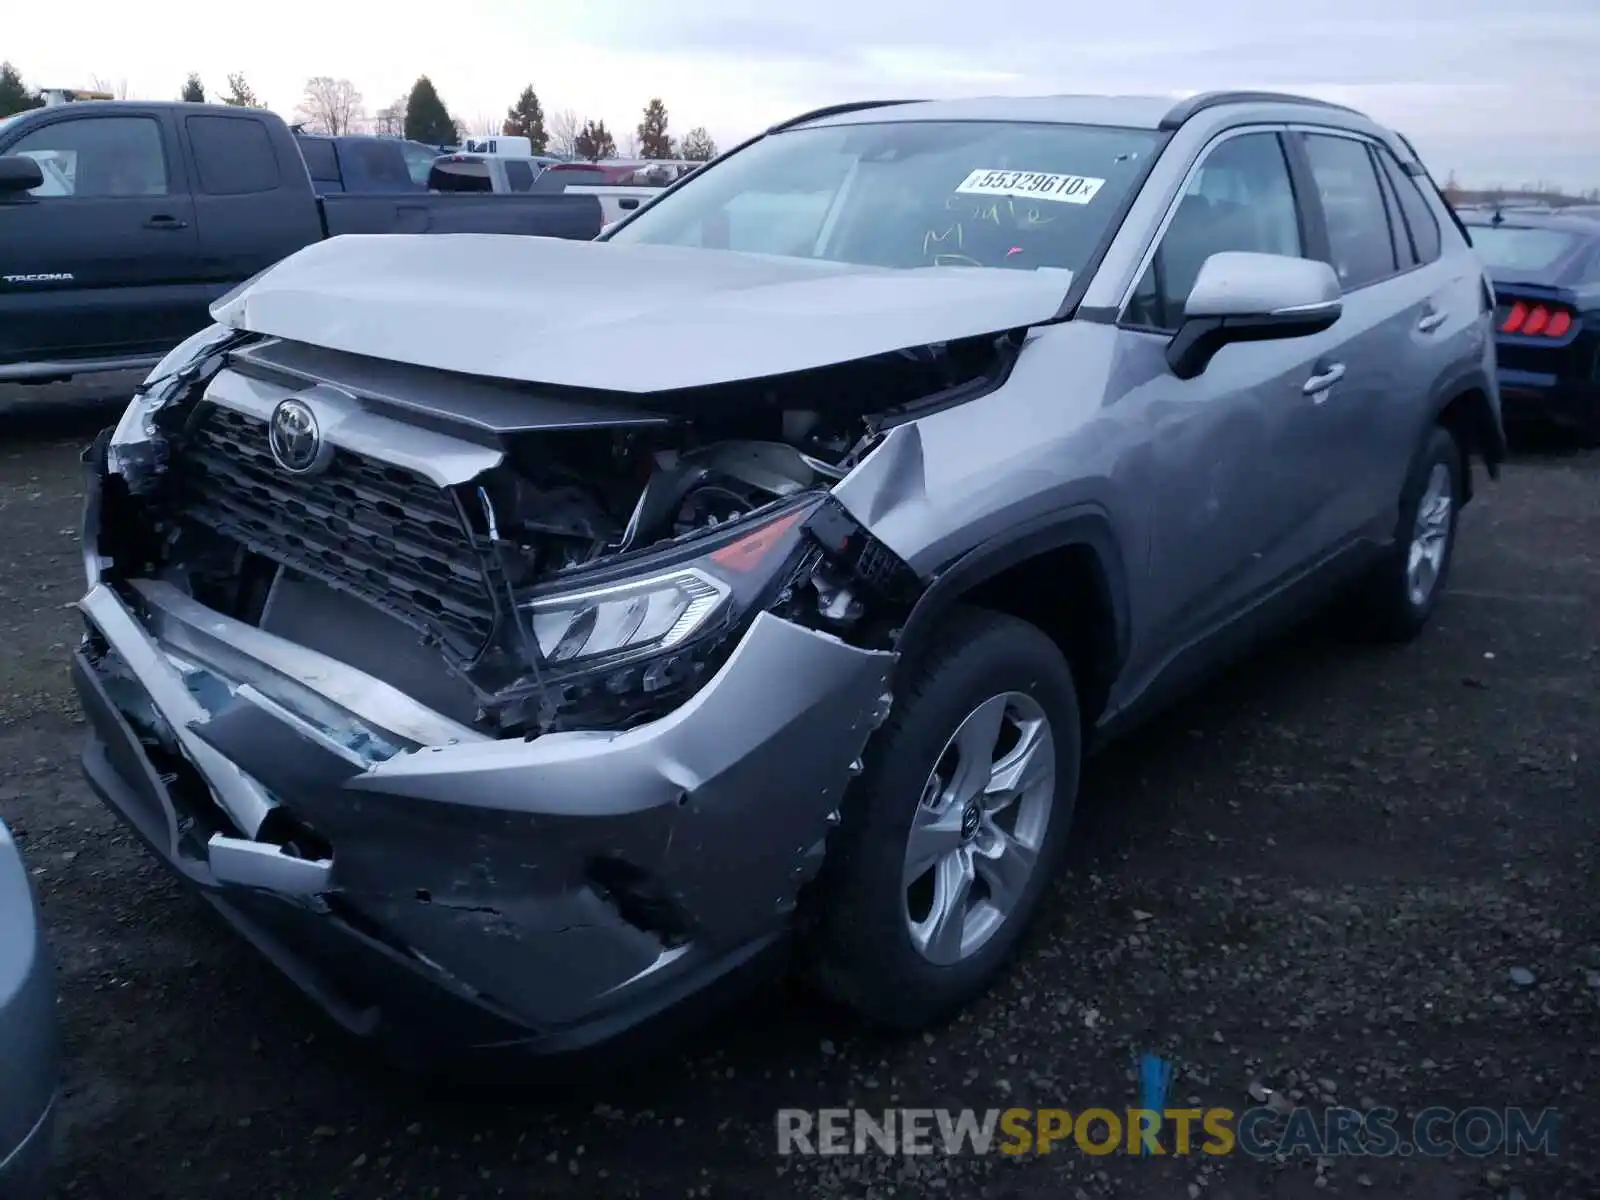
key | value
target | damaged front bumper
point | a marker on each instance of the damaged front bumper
(407, 871)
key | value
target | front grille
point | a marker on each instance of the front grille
(380, 532)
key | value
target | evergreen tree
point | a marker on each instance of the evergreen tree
(525, 118)
(14, 96)
(594, 142)
(697, 145)
(194, 92)
(653, 139)
(240, 94)
(427, 119)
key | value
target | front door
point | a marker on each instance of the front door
(102, 259)
(1234, 476)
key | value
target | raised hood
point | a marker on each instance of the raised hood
(615, 316)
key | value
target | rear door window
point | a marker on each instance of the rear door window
(1360, 249)
(519, 175)
(232, 155)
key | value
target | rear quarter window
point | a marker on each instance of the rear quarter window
(320, 160)
(1420, 221)
(234, 156)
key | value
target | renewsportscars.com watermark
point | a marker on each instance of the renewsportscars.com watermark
(1254, 1132)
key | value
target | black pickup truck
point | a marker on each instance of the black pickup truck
(120, 223)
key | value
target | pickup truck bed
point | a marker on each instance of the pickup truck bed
(149, 212)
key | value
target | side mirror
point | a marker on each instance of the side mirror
(19, 174)
(1245, 297)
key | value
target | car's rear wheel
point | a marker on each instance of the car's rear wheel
(1400, 595)
(950, 835)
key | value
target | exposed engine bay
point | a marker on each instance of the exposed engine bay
(592, 575)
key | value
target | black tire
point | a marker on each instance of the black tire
(1388, 609)
(858, 948)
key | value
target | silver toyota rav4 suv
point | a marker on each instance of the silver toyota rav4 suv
(515, 637)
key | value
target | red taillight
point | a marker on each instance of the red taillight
(1537, 320)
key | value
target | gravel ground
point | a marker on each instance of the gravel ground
(1318, 875)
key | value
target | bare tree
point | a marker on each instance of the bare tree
(331, 106)
(565, 126)
(630, 145)
(118, 89)
(390, 120)
(486, 125)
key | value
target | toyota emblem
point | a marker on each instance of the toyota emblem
(295, 439)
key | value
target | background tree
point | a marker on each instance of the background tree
(697, 145)
(594, 142)
(630, 146)
(564, 128)
(653, 139)
(14, 96)
(427, 119)
(525, 118)
(240, 94)
(331, 106)
(194, 92)
(390, 120)
(117, 87)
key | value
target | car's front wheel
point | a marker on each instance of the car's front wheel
(952, 832)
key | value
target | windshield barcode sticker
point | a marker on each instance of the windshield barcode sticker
(1031, 185)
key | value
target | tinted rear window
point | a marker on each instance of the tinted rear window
(460, 175)
(576, 177)
(1519, 249)
(234, 155)
(320, 160)
(378, 162)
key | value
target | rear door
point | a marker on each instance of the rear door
(1367, 356)
(253, 205)
(101, 261)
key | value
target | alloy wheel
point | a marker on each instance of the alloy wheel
(979, 827)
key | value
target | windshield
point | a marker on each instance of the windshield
(909, 194)
(1510, 248)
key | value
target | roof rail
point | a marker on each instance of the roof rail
(1194, 105)
(835, 110)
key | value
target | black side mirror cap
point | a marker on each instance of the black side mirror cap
(19, 174)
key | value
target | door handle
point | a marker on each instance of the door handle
(165, 222)
(1324, 381)
(1431, 321)
(629, 202)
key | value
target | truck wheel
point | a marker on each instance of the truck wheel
(1399, 596)
(951, 834)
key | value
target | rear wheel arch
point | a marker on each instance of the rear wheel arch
(1063, 573)
(1461, 405)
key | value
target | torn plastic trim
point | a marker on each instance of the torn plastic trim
(136, 450)
(326, 693)
(244, 800)
(266, 866)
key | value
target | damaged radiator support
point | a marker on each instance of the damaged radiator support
(439, 544)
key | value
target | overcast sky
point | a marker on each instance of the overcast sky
(1495, 94)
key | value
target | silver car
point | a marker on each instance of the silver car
(29, 1041)
(515, 638)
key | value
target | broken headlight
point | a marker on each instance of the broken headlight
(655, 621)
